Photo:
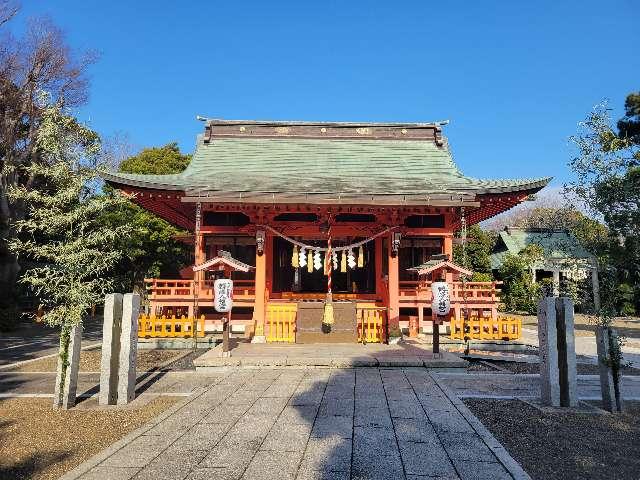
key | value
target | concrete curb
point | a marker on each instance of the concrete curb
(507, 461)
(94, 461)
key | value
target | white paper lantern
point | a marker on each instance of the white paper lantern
(223, 291)
(441, 303)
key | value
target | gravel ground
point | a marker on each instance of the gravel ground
(480, 366)
(37, 442)
(583, 368)
(186, 362)
(90, 361)
(567, 445)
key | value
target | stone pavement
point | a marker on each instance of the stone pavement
(365, 423)
(586, 347)
(526, 386)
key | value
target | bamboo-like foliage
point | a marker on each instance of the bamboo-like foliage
(67, 251)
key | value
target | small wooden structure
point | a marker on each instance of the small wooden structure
(225, 264)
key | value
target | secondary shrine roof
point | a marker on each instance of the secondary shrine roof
(306, 162)
(557, 245)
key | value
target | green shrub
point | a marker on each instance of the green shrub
(481, 277)
(395, 332)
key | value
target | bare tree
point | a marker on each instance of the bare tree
(40, 62)
(8, 10)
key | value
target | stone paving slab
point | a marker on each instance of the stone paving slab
(367, 423)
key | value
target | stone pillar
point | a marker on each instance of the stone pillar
(394, 287)
(566, 353)
(596, 287)
(556, 282)
(558, 379)
(128, 348)
(611, 395)
(547, 346)
(69, 384)
(110, 349)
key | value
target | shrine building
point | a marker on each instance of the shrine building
(271, 196)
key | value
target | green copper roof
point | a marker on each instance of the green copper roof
(283, 167)
(557, 245)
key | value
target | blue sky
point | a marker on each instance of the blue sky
(514, 78)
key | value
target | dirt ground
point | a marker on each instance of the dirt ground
(569, 445)
(37, 442)
(90, 361)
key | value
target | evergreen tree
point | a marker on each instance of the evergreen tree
(68, 252)
(152, 249)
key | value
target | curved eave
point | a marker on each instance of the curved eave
(152, 182)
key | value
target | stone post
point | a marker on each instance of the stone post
(556, 282)
(611, 396)
(547, 346)
(558, 376)
(128, 348)
(110, 349)
(595, 285)
(69, 384)
(566, 353)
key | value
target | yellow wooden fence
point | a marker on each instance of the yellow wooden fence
(280, 323)
(169, 327)
(371, 324)
(480, 328)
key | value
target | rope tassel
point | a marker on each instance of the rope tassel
(343, 262)
(295, 261)
(310, 262)
(360, 257)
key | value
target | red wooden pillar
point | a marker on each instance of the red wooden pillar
(394, 287)
(447, 246)
(199, 256)
(380, 286)
(259, 306)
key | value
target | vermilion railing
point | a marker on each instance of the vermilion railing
(161, 289)
(169, 327)
(474, 292)
(372, 323)
(480, 328)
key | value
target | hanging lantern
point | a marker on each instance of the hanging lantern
(441, 304)
(317, 260)
(360, 257)
(343, 262)
(351, 259)
(310, 262)
(295, 260)
(334, 259)
(302, 258)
